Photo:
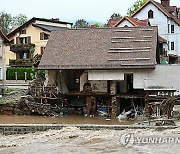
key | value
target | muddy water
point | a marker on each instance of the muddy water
(73, 140)
(8, 119)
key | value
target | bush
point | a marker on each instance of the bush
(30, 73)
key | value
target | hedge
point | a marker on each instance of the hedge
(11, 71)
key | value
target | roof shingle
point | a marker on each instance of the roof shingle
(101, 48)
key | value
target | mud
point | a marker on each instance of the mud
(74, 140)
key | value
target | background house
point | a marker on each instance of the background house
(3, 42)
(31, 35)
(167, 18)
(135, 22)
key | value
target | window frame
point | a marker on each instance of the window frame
(172, 28)
(172, 46)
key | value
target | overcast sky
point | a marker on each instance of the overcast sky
(70, 10)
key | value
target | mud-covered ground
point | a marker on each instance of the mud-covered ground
(73, 140)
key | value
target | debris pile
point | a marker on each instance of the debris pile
(167, 105)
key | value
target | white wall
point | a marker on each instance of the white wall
(159, 19)
(125, 23)
(105, 75)
(167, 76)
(162, 22)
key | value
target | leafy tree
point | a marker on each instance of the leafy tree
(19, 20)
(81, 23)
(115, 16)
(5, 22)
(136, 6)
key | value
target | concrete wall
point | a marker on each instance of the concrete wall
(83, 80)
(166, 76)
(99, 86)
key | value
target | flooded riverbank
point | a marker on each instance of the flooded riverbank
(9, 119)
(74, 140)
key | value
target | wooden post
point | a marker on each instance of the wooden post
(25, 76)
(16, 75)
(88, 104)
(113, 99)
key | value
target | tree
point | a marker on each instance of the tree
(5, 22)
(136, 6)
(115, 16)
(81, 23)
(19, 20)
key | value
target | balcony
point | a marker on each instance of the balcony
(21, 63)
(21, 47)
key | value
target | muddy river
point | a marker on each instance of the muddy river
(71, 140)
(6, 119)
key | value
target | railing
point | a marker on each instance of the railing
(21, 47)
(20, 62)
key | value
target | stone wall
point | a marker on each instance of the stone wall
(11, 129)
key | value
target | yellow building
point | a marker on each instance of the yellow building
(30, 39)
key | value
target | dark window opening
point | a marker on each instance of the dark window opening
(168, 28)
(172, 28)
(172, 45)
(44, 36)
(23, 40)
(23, 31)
(24, 55)
(42, 50)
(150, 14)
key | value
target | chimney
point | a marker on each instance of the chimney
(165, 3)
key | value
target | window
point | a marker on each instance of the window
(23, 31)
(42, 50)
(172, 28)
(44, 36)
(172, 45)
(168, 28)
(168, 45)
(24, 55)
(150, 14)
(23, 40)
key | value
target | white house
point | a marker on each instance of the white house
(167, 18)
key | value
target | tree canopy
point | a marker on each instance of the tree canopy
(7, 21)
(81, 23)
(136, 6)
(115, 16)
(19, 20)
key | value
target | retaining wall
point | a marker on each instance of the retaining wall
(11, 129)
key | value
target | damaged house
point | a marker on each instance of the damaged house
(107, 69)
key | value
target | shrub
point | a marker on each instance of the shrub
(30, 73)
